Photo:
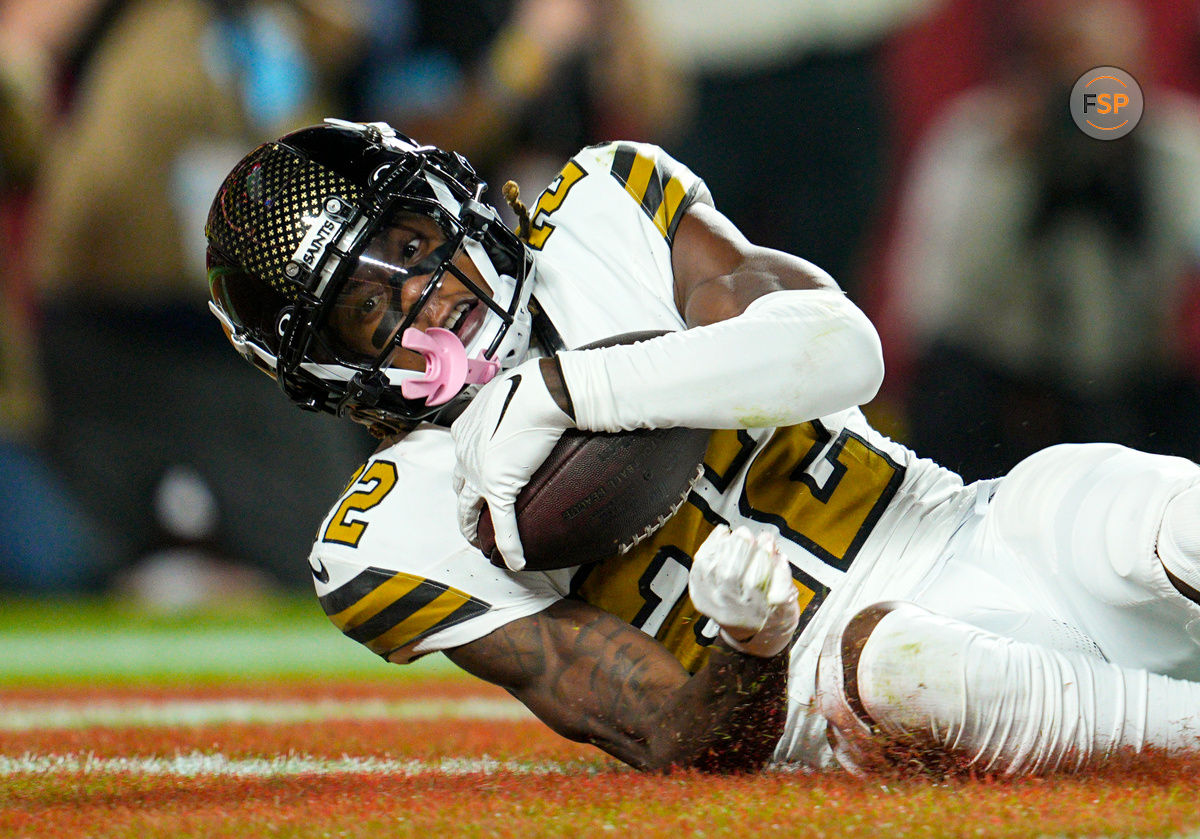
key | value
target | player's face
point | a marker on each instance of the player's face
(391, 275)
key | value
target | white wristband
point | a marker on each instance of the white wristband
(790, 357)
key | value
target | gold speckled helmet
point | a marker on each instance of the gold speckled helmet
(285, 232)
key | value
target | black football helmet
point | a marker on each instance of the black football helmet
(296, 218)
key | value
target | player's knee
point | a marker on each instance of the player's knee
(851, 731)
(910, 663)
(882, 677)
(901, 665)
(837, 667)
(863, 658)
(1179, 542)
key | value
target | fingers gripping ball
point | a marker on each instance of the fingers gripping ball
(597, 494)
(744, 583)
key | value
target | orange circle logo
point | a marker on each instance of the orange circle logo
(1107, 103)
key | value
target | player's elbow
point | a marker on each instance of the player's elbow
(831, 354)
(659, 748)
(864, 355)
(667, 755)
(647, 753)
(658, 761)
(836, 362)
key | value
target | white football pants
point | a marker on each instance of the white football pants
(926, 684)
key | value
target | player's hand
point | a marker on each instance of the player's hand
(499, 442)
(744, 583)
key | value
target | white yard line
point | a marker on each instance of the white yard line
(27, 716)
(217, 765)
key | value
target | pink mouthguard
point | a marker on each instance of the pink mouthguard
(447, 367)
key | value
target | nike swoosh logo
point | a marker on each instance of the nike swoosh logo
(514, 382)
(320, 572)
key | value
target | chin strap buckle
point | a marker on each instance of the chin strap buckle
(363, 390)
(447, 368)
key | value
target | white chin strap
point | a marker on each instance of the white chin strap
(515, 344)
(516, 341)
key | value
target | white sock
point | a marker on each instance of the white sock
(1179, 537)
(1012, 707)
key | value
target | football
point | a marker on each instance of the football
(598, 494)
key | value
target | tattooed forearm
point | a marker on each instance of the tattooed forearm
(519, 650)
(594, 678)
(618, 675)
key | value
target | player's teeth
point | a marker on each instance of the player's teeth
(456, 315)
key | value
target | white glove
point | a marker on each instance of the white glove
(744, 583)
(499, 441)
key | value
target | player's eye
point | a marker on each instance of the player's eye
(410, 252)
(364, 302)
(374, 302)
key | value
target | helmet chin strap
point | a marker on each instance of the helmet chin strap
(447, 368)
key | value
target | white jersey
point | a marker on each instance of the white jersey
(860, 517)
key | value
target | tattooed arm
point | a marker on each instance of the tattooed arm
(594, 678)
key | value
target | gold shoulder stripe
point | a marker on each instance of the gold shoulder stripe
(657, 183)
(387, 609)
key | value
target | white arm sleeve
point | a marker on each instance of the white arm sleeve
(791, 356)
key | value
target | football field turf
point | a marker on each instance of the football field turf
(262, 721)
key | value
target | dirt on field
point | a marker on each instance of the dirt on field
(457, 758)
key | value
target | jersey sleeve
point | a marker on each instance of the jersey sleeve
(392, 571)
(662, 187)
(602, 234)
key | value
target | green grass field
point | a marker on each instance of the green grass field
(261, 720)
(105, 640)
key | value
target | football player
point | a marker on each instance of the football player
(820, 580)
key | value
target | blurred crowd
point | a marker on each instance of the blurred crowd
(1031, 285)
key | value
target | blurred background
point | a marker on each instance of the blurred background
(1031, 285)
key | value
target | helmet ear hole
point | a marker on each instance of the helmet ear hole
(283, 322)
